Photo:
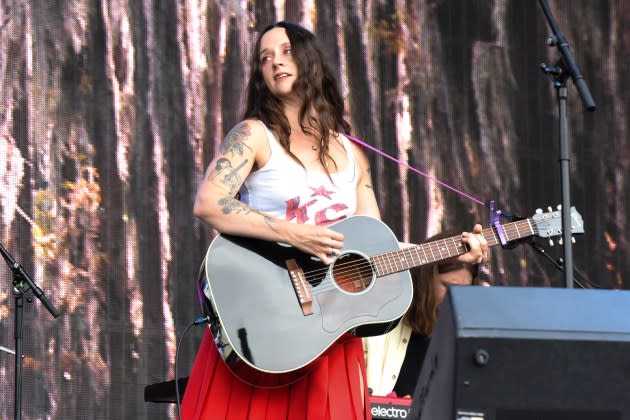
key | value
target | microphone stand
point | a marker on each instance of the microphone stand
(22, 283)
(566, 67)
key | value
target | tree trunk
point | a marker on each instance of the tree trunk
(361, 96)
(386, 26)
(327, 34)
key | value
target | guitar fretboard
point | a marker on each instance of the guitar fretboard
(443, 249)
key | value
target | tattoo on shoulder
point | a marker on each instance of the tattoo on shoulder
(235, 141)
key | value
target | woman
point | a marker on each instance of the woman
(394, 360)
(294, 173)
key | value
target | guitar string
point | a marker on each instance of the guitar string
(512, 230)
(363, 269)
(423, 254)
(354, 269)
(433, 248)
(429, 250)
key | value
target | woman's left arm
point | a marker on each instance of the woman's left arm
(366, 200)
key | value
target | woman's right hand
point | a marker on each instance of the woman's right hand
(319, 241)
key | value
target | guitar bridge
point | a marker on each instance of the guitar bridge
(301, 287)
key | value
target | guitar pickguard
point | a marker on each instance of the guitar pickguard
(337, 308)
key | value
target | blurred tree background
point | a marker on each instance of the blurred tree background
(111, 109)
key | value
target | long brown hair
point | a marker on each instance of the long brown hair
(423, 312)
(316, 86)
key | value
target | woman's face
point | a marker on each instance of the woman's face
(460, 276)
(279, 70)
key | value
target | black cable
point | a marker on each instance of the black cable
(199, 321)
(559, 264)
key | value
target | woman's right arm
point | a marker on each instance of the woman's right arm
(244, 148)
(215, 202)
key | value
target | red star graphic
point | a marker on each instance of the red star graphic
(321, 191)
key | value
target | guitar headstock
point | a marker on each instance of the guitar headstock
(549, 224)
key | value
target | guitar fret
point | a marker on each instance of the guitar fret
(375, 261)
(391, 262)
(440, 248)
(415, 257)
(459, 246)
(400, 260)
(494, 236)
(426, 257)
(385, 263)
(427, 253)
(517, 231)
(423, 259)
(394, 260)
(509, 232)
(455, 245)
(403, 261)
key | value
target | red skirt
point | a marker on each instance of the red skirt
(332, 390)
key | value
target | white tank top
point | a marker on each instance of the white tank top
(286, 190)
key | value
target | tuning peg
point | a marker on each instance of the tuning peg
(549, 209)
(572, 239)
(560, 241)
(559, 207)
(539, 211)
(550, 242)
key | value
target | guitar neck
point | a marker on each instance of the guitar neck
(443, 249)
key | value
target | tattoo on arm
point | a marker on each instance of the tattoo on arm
(232, 178)
(231, 205)
(226, 169)
(368, 184)
(235, 140)
(226, 174)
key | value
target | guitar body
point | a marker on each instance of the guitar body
(265, 336)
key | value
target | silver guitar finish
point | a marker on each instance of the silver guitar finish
(259, 326)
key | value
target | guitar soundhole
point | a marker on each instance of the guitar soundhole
(352, 273)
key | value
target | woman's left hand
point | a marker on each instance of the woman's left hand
(477, 246)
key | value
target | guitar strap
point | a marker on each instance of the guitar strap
(430, 177)
(418, 171)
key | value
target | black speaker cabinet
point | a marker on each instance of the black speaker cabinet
(516, 353)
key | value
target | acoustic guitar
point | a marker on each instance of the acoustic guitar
(274, 309)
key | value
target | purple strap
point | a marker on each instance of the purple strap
(364, 144)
